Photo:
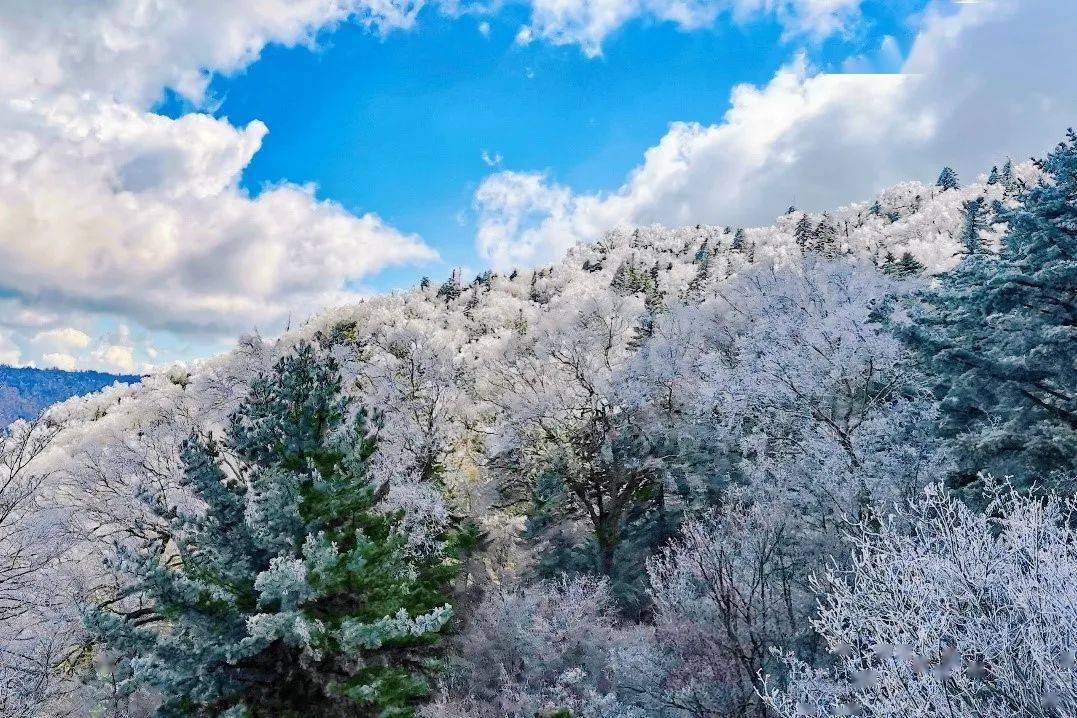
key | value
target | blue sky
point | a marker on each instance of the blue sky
(138, 231)
(398, 124)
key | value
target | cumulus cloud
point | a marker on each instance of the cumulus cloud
(979, 83)
(62, 339)
(110, 209)
(59, 360)
(588, 23)
(115, 358)
(130, 50)
(9, 350)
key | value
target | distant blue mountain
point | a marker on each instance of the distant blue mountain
(25, 391)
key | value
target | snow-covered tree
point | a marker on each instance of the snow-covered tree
(804, 232)
(826, 237)
(973, 226)
(946, 611)
(947, 179)
(285, 587)
(34, 640)
(907, 266)
(729, 601)
(999, 332)
(1009, 179)
(540, 650)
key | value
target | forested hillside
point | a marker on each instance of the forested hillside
(25, 391)
(817, 468)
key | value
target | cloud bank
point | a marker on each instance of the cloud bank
(108, 208)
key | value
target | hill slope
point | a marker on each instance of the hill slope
(25, 391)
(709, 351)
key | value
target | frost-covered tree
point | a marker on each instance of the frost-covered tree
(729, 601)
(999, 333)
(973, 226)
(539, 650)
(804, 232)
(738, 240)
(907, 266)
(450, 289)
(34, 640)
(1009, 179)
(572, 444)
(826, 237)
(946, 611)
(284, 587)
(947, 179)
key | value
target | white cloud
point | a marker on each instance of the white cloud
(491, 160)
(114, 358)
(143, 218)
(129, 50)
(979, 83)
(588, 23)
(62, 339)
(9, 350)
(59, 360)
(109, 209)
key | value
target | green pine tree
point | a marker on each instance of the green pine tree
(804, 232)
(1000, 333)
(450, 290)
(975, 222)
(947, 179)
(907, 266)
(826, 237)
(1009, 180)
(738, 240)
(290, 594)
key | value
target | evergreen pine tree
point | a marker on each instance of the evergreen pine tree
(826, 237)
(999, 333)
(907, 266)
(533, 293)
(696, 284)
(972, 226)
(703, 255)
(876, 209)
(652, 302)
(290, 594)
(738, 240)
(804, 232)
(994, 177)
(1009, 180)
(450, 290)
(947, 179)
(472, 302)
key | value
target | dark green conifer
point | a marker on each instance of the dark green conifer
(285, 590)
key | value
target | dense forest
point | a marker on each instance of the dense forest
(26, 391)
(820, 468)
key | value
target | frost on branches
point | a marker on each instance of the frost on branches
(948, 611)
